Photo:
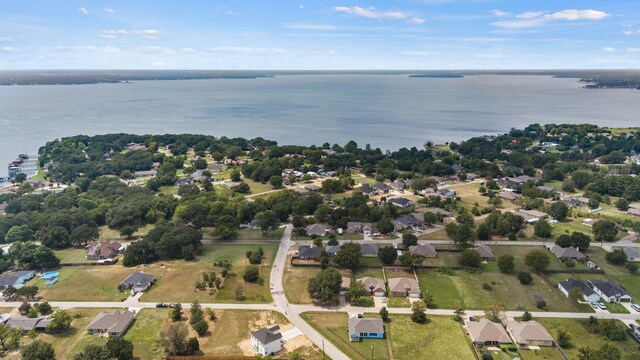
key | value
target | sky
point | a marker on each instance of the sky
(319, 34)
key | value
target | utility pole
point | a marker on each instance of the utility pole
(371, 352)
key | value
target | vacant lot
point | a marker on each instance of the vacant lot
(440, 338)
(445, 294)
(73, 255)
(178, 278)
(334, 327)
(581, 336)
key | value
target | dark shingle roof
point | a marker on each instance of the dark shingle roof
(573, 283)
(307, 251)
(267, 335)
(138, 279)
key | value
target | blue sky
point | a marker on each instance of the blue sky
(321, 34)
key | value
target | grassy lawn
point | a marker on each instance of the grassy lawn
(178, 278)
(580, 336)
(468, 194)
(371, 272)
(445, 293)
(251, 234)
(397, 301)
(111, 234)
(370, 261)
(435, 235)
(616, 308)
(143, 333)
(545, 353)
(295, 282)
(333, 326)
(440, 338)
(258, 188)
(444, 259)
(346, 236)
(73, 255)
(71, 341)
(90, 283)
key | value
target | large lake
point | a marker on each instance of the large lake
(386, 111)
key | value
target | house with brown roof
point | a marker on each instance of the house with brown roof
(404, 287)
(360, 328)
(528, 333)
(356, 227)
(103, 250)
(485, 252)
(345, 285)
(487, 333)
(425, 250)
(317, 229)
(111, 324)
(509, 195)
(568, 253)
(373, 286)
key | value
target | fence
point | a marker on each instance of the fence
(115, 261)
(573, 271)
(210, 357)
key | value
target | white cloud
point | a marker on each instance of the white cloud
(149, 34)
(500, 13)
(245, 50)
(489, 55)
(83, 10)
(160, 63)
(322, 52)
(112, 34)
(8, 49)
(416, 21)
(186, 51)
(109, 10)
(310, 26)
(530, 15)
(631, 32)
(609, 49)
(87, 48)
(635, 50)
(419, 53)
(154, 50)
(300, 6)
(370, 12)
(6, 39)
(531, 18)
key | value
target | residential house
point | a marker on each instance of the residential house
(267, 341)
(549, 190)
(331, 250)
(381, 187)
(368, 249)
(373, 286)
(404, 287)
(317, 229)
(28, 324)
(145, 173)
(231, 185)
(426, 250)
(485, 252)
(568, 253)
(137, 282)
(587, 293)
(183, 181)
(398, 185)
(633, 211)
(509, 195)
(307, 252)
(311, 187)
(365, 328)
(132, 146)
(472, 176)
(573, 202)
(487, 333)
(438, 211)
(368, 190)
(528, 333)
(632, 254)
(530, 216)
(215, 168)
(16, 279)
(401, 202)
(103, 250)
(345, 285)
(609, 291)
(446, 194)
(514, 181)
(406, 222)
(111, 324)
(356, 227)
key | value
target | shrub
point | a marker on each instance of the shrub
(487, 287)
(525, 278)
(251, 274)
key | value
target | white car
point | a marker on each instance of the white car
(635, 307)
(384, 299)
(602, 305)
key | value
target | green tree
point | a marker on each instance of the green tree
(243, 188)
(276, 181)
(388, 255)
(418, 312)
(616, 257)
(542, 229)
(175, 313)
(409, 240)
(325, 286)
(83, 234)
(506, 263)
(19, 233)
(235, 175)
(226, 227)
(127, 231)
(558, 210)
(385, 226)
(470, 258)
(38, 350)
(525, 278)
(174, 339)
(60, 321)
(537, 260)
(348, 256)
(605, 230)
(356, 291)
(267, 220)
(120, 348)
(384, 314)
(564, 338)
(526, 316)
(251, 274)
(57, 237)
(410, 260)
(9, 337)
(622, 204)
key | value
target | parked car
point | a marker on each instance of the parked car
(384, 299)
(471, 318)
(635, 307)
(602, 306)
(594, 305)
(163, 305)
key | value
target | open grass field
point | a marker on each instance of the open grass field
(177, 279)
(444, 259)
(397, 301)
(73, 255)
(544, 353)
(143, 333)
(445, 293)
(71, 341)
(580, 336)
(251, 234)
(434, 235)
(296, 280)
(440, 338)
(372, 272)
(334, 327)
(257, 187)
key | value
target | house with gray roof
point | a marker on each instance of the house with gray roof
(609, 291)
(368, 189)
(267, 341)
(588, 294)
(568, 253)
(406, 222)
(137, 282)
(528, 333)
(111, 324)
(99, 250)
(368, 249)
(356, 227)
(487, 333)
(426, 250)
(27, 324)
(401, 202)
(365, 328)
(446, 194)
(307, 252)
(317, 229)
(373, 286)
(485, 252)
(16, 278)
(509, 195)
(632, 254)
(381, 187)
(331, 250)
(404, 287)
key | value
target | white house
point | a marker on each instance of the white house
(267, 341)
(587, 293)
(609, 291)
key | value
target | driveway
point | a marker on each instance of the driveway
(291, 333)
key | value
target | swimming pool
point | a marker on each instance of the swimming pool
(50, 275)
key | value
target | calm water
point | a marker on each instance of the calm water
(387, 111)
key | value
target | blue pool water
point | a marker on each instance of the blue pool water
(50, 275)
